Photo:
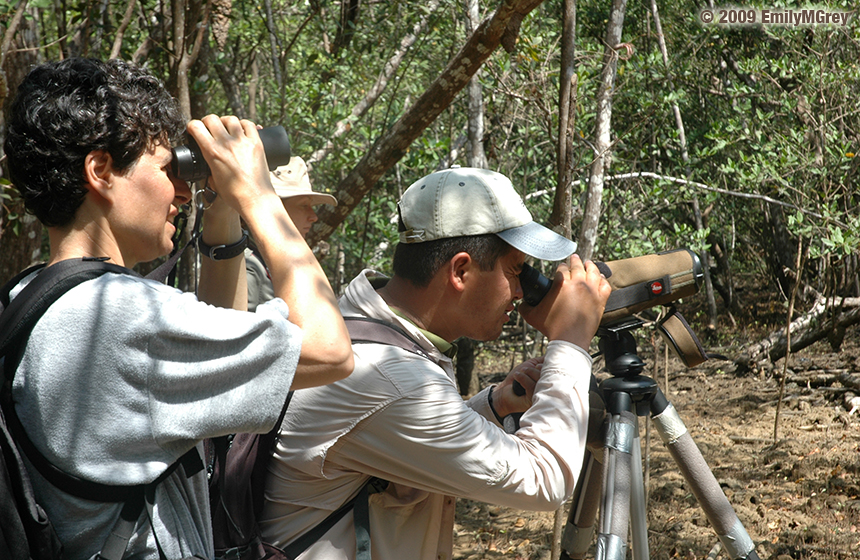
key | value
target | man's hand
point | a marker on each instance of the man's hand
(573, 308)
(236, 158)
(505, 400)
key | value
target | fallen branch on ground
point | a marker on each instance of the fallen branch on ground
(828, 318)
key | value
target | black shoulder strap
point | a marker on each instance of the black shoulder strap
(8, 286)
(16, 322)
(362, 522)
(22, 313)
(362, 330)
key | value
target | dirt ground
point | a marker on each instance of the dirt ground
(798, 498)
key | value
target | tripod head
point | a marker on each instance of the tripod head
(618, 347)
(627, 388)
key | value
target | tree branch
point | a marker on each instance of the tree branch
(120, 32)
(376, 90)
(393, 145)
(753, 196)
(810, 327)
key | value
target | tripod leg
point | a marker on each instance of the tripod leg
(716, 506)
(638, 518)
(576, 538)
(615, 505)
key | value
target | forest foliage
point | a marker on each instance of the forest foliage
(770, 114)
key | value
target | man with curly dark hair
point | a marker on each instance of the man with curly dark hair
(138, 373)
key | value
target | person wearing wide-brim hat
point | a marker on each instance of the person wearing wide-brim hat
(293, 185)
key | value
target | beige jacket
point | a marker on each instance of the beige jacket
(400, 417)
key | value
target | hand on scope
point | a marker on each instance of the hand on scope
(236, 157)
(507, 399)
(573, 308)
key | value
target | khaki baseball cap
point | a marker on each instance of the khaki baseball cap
(292, 180)
(464, 201)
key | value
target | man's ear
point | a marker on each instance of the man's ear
(98, 172)
(459, 268)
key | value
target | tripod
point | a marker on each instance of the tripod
(617, 488)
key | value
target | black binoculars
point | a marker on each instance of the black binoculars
(188, 163)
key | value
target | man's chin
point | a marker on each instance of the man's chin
(165, 249)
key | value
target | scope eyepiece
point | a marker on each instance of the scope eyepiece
(535, 285)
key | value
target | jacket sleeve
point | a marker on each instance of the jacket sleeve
(430, 439)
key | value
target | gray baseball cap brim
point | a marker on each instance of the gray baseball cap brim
(539, 242)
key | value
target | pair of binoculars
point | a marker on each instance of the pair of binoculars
(188, 163)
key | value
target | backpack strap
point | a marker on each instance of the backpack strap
(362, 330)
(367, 330)
(362, 522)
(8, 286)
(21, 314)
(17, 320)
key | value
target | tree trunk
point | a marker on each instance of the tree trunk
(563, 201)
(477, 157)
(393, 145)
(467, 382)
(273, 46)
(685, 157)
(253, 83)
(603, 133)
(779, 250)
(17, 54)
(231, 90)
(467, 378)
(180, 82)
(23, 249)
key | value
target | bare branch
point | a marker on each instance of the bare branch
(376, 90)
(680, 180)
(439, 95)
(120, 32)
(11, 29)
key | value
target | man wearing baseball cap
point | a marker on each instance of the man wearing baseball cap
(293, 185)
(464, 236)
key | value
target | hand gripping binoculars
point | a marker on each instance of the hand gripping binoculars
(188, 163)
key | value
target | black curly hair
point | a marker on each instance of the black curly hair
(65, 110)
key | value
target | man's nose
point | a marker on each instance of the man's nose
(183, 191)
